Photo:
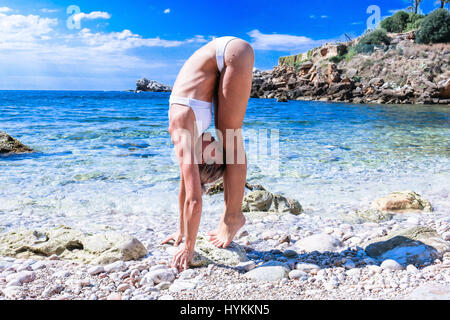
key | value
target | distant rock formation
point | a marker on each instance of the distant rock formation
(151, 86)
(9, 145)
(400, 73)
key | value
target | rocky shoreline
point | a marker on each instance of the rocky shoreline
(399, 73)
(278, 255)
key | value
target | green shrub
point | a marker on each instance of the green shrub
(435, 28)
(414, 21)
(337, 59)
(397, 23)
(402, 22)
(387, 24)
(368, 42)
(376, 37)
(351, 52)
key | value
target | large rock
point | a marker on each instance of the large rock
(206, 253)
(416, 246)
(270, 271)
(444, 89)
(319, 242)
(264, 201)
(68, 243)
(401, 201)
(376, 82)
(217, 187)
(10, 145)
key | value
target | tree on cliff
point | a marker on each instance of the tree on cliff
(415, 5)
(443, 3)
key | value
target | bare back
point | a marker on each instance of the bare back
(198, 78)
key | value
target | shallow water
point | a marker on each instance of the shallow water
(105, 159)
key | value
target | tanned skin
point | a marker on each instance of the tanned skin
(198, 79)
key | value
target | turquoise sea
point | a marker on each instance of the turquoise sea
(105, 159)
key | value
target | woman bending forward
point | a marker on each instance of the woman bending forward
(219, 74)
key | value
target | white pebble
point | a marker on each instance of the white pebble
(158, 276)
(308, 268)
(123, 287)
(116, 266)
(412, 269)
(298, 275)
(391, 265)
(187, 274)
(96, 270)
(17, 279)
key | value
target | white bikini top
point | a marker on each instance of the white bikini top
(221, 45)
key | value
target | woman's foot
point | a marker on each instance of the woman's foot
(227, 229)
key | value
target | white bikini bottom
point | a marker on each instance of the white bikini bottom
(202, 111)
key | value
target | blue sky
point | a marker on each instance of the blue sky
(107, 45)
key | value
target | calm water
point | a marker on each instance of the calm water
(106, 159)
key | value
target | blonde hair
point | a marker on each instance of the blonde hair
(210, 173)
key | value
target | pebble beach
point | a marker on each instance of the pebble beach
(102, 166)
(347, 274)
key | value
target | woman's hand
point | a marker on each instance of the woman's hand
(182, 258)
(177, 237)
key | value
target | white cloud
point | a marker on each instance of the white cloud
(313, 16)
(19, 28)
(32, 48)
(45, 10)
(125, 40)
(91, 16)
(5, 9)
(167, 11)
(198, 39)
(282, 42)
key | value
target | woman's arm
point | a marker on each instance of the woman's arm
(192, 205)
(181, 200)
(182, 132)
(179, 235)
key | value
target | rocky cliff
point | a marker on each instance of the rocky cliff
(399, 73)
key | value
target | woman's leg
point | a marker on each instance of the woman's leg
(233, 94)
